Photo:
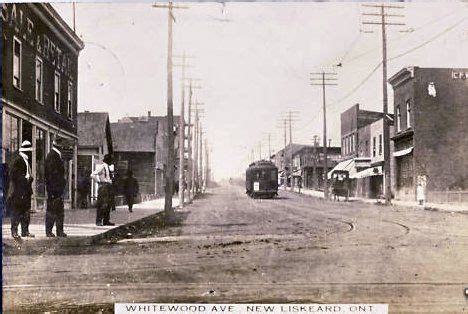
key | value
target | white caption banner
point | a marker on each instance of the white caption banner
(163, 308)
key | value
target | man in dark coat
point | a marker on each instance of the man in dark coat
(130, 186)
(55, 185)
(20, 191)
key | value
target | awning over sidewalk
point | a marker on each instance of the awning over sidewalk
(374, 171)
(403, 152)
(350, 166)
(344, 165)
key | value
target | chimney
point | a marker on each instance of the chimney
(149, 113)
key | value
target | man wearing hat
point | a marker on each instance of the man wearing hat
(55, 185)
(102, 175)
(20, 191)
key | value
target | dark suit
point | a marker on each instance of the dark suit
(55, 185)
(19, 195)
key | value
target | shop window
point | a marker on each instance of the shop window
(70, 100)
(57, 92)
(380, 144)
(17, 63)
(398, 119)
(40, 161)
(408, 114)
(10, 136)
(373, 146)
(39, 79)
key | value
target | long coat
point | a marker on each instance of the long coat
(54, 175)
(20, 189)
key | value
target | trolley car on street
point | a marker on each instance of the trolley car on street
(261, 179)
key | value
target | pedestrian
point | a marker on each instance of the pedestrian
(83, 187)
(113, 186)
(102, 176)
(130, 186)
(420, 194)
(20, 191)
(55, 185)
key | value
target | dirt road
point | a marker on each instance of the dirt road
(231, 248)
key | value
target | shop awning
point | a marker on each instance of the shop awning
(403, 152)
(373, 171)
(344, 165)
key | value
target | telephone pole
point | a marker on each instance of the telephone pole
(325, 79)
(383, 15)
(184, 65)
(189, 141)
(291, 116)
(169, 173)
(315, 176)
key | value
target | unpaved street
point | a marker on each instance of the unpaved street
(230, 248)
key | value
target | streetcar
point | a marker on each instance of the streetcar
(261, 179)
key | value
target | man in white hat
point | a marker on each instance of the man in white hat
(19, 199)
(55, 185)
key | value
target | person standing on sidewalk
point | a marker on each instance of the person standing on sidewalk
(20, 191)
(55, 185)
(102, 176)
(130, 189)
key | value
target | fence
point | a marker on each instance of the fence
(447, 197)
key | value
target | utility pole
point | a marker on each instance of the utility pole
(386, 127)
(196, 140)
(169, 173)
(260, 150)
(324, 78)
(182, 134)
(200, 169)
(74, 17)
(315, 176)
(290, 116)
(269, 147)
(189, 141)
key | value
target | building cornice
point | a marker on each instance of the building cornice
(65, 33)
(402, 76)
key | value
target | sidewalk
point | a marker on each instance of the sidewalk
(450, 207)
(81, 222)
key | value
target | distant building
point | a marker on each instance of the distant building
(154, 128)
(39, 99)
(94, 141)
(309, 163)
(352, 120)
(431, 131)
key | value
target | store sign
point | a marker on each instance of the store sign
(23, 25)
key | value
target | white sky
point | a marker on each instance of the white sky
(254, 61)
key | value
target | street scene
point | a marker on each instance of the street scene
(229, 152)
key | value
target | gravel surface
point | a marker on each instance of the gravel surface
(230, 248)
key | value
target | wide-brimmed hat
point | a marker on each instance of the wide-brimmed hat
(107, 159)
(26, 146)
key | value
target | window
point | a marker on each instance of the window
(39, 79)
(352, 143)
(408, 114)
(373, 146)
(380, 144)
(398, 119)
(40, 162)
(70, 100)
(17, 63)
(10, 136)
(57, 92)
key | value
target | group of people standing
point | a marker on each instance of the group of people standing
(20, 190)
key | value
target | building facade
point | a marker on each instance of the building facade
(430, 136)
(94, 141)
(155, 130)
(39, 100)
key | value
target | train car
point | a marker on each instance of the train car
(261, 179)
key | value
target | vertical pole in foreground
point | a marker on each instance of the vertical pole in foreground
(170, 120)
(291, 152)
(386, 130)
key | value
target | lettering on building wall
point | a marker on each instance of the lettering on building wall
(24, 28)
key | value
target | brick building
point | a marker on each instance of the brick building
(431, 142)
(39, 79)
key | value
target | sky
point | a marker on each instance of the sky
(254, 62)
